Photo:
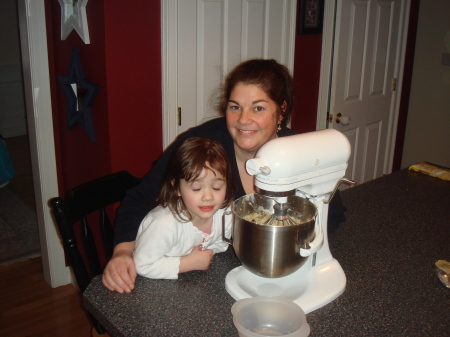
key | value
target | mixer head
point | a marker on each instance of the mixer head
(311, 162)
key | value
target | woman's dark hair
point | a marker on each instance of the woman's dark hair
(271, 76)
(187, 162)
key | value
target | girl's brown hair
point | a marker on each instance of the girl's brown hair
(187, 162)
(269, 75)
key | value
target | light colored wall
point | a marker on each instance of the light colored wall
(12, 103)
(427, 135)
(9, 33)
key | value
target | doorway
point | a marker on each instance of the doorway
(13, 116)
(361, 83)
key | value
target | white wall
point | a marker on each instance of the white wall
(12, 102)
(427, 135)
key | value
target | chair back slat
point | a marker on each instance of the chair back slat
(91, 250)
(70, 244)
(107, 233)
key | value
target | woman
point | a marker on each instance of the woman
(255, 106)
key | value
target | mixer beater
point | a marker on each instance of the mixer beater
(280, 216)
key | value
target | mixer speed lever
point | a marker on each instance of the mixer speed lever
(343, 180)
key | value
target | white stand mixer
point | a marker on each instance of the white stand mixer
(310, 165)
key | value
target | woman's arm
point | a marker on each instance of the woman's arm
(120, 273)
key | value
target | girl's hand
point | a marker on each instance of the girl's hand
(198, 259)
(120, 272)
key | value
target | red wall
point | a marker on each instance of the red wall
(133, 63)
(308, 49)
(124, 59)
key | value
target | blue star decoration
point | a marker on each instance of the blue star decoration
(80, 94)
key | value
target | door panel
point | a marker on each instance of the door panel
(212, 36)
(364, 66)
(208, 55)
(253, 29)
(356, 51)
(381, 50)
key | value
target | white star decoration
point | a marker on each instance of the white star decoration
(73, 16)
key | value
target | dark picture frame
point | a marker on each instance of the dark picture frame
(310, 16)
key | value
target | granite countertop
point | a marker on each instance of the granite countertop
(397, 227)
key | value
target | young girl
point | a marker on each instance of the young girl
(184, 231)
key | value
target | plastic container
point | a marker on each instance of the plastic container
(269, 316)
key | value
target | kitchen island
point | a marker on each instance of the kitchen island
(397, 227)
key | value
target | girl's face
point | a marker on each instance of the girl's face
(252, 117)
(204, 195)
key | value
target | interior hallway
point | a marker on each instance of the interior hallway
(28, 305)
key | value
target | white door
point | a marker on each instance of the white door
(204, 39)
(368, 48)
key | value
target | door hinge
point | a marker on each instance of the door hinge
(330, 118)
(394, 84)
(179, 116)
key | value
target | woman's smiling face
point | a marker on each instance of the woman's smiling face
(252, 117)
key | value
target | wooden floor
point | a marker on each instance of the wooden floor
(28, 305)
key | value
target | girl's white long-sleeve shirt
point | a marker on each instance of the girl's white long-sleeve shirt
(162, 240)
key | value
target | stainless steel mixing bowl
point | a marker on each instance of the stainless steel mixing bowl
(268, 250)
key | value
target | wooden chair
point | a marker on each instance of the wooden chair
(81, 201)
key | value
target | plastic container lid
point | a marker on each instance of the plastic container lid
(269, 316)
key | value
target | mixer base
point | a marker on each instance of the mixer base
(310, 288)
